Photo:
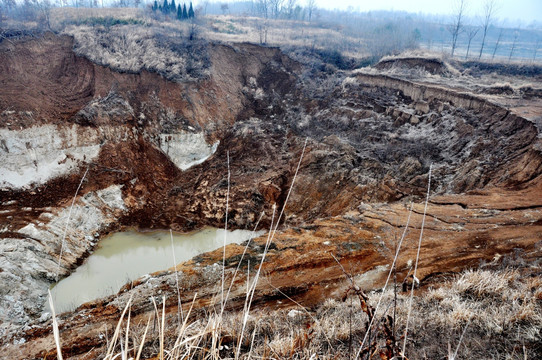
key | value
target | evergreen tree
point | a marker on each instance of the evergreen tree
(165, 7)
(191, 11)
(185, 13)
(179, 12)
(155, 5)
(172, 7)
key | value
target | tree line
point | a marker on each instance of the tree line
(459, 27)
(286, 9)
(267, 9)
(458, 24)
(180, 12)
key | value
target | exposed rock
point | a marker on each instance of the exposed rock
(46, 249)
(186, 149)
(35, 155)
(422, 107)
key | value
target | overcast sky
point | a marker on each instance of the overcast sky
(525, 10)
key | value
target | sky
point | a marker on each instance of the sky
(524, 10)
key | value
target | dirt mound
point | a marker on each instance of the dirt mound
(431, 65)
(529, 92)
(478, 68)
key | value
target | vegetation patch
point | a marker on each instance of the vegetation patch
(108, 21)
(133, 48)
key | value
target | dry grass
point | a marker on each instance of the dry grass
(62, 16)
(283, 33)
(494, 300)
(133, 48)
(56, 333)
(503, 308)
(496, 314)
(129, 40)
(222, 28)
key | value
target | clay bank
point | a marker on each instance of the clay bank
(90, 148)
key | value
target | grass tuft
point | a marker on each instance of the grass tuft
(56, 333)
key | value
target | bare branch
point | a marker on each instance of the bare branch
(490, 9)
(456, 27)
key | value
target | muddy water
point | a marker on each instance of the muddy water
(126, 256)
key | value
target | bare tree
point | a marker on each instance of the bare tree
(490, 8)
(6, 6)
(289, 8)
(275, 7)
(311, 7)
(44, 8)
(516, 36)
(456, 27)
(471, 33)
(1, 13)
(536, 49)
(263, 27)
(225, 8)
(497, 43)
(193, 30)
(262, 7)
(27, 10)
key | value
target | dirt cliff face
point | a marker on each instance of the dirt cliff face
(119, 147)
(117, 141)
